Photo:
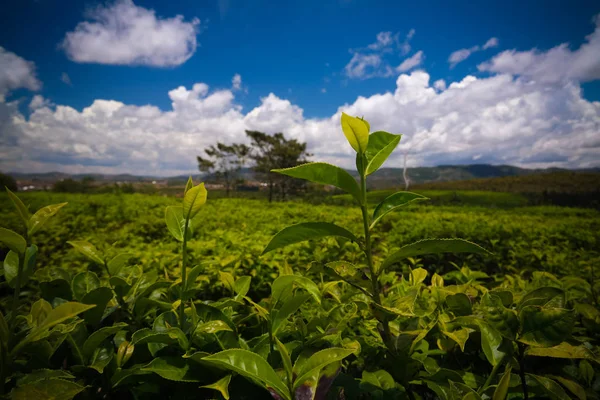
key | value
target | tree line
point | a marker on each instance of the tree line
(264, 153)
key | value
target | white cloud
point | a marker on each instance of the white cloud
(236, 82)
(126, 34)
(15, 73)
(323, 90)
(492, 42)
(411, 62)
(370, 62)
(66, 79)
(461, 55)
(38, 101)
(559, 64)
(363, 66)
(500, 119)
(440, 84)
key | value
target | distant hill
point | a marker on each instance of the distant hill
(383, 179)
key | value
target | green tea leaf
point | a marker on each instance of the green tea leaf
(176, 222)
(88, 250)
(118, 262)
(318, 361)
(21, 208)
(306, 231)
(542, 297)
(381, 145)
(44, 374)
(290, 306)
(222, 386)
(325, 174)
(504, 320)
(97, 337)
(459, 304)
(83, 283)
(13, 240)
(101, 357)
(11, 266)
(285, 358)
(48, 389)
(171, 368)
(189, 184)
(433, 246)
(193, 201)
(572, 386)
(563, 350)
(460, 336)
(60, 314)
(417, 276)
(356, 132)
(393, 202)
(100, 297)
(380, 379)
(251, 366)
(282, 288)
(212, 327)
(545, 327)
(242, 286)
(42, 216)
(552, 389)
(502, 389)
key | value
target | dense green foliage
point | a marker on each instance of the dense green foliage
(8, 181)
(140, 297)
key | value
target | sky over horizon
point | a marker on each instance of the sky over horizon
(143, 86)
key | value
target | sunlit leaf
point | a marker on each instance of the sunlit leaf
(356, 132)
(42, 216)
(306, 231)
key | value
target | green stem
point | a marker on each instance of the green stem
(17, 292)
(522, 370)
(183, 275)
(386, 334)
(492, 375)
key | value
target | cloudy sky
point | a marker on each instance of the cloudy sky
(142, 87)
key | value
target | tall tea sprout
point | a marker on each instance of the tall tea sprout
(179, 223)
(372, 150)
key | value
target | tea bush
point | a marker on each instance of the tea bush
(140, 297)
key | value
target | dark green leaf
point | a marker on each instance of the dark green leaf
(100, 297)
(433, 246)
(572, 386)
(307, 231)
(101, 357)
(502, 388)
(11, 266)
(252, 366)
(325, 174)
(83, 283)
(318, 361)
(43, 374)
(380, 379)
(502, 319)
(545, 327)
(118, 262)
(171, 368)
(49, 389)
(543, 296)
(13, 240)
(21, 208)
(459, 304)
(552, 389)
(282, 287)
(381, 145)
(393, 202)
(97, 337)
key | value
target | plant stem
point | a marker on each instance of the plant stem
(183, 276)
(522, 370)
(492, 375)
(17, 291)
(385, 333)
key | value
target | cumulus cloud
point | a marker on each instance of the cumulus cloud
(15, 73)
(411, 62)
(461, 55)
(499, 119)
(440, 84)
(236, 82)
(559, 64)
(38, 101)
(371, 62)
(125, 34)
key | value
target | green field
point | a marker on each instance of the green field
(535, 250)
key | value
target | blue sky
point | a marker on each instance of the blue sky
(299, 52)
